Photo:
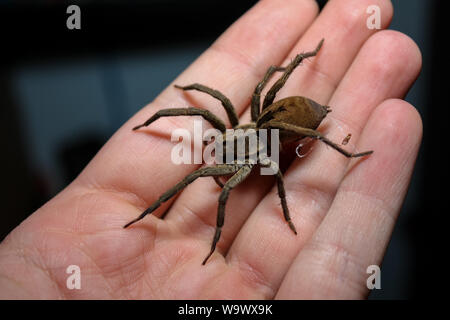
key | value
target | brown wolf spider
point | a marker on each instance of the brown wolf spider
(295, 117)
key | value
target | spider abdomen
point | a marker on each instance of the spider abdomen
(298, 111)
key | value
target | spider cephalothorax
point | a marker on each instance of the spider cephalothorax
(294, 117)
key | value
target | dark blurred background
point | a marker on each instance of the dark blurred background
(63, 93)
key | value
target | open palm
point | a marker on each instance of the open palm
(344, 210)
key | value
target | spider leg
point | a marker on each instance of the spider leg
(207, 115)
(231, 112)
(312, 134)
(255, 105)
(218, 170)
(218, 182)
(270, 96)
(236, 179)
(281, 193)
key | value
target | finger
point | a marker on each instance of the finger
(265, 242)
(343, 25)
(356, 231)
(137, 165)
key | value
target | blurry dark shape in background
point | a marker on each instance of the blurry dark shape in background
(64, 92)
(75, 154)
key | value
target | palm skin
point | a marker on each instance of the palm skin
(344, 210)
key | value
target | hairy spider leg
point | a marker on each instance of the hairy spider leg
(281, 193)
(207, 115)
(218, 170)
(226, 103)
(218, 182)
(312, 134)
(255, 104)
(270, 96)
(235, 180)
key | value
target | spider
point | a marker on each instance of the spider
(295, 117)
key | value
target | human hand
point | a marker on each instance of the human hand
(344, 210)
